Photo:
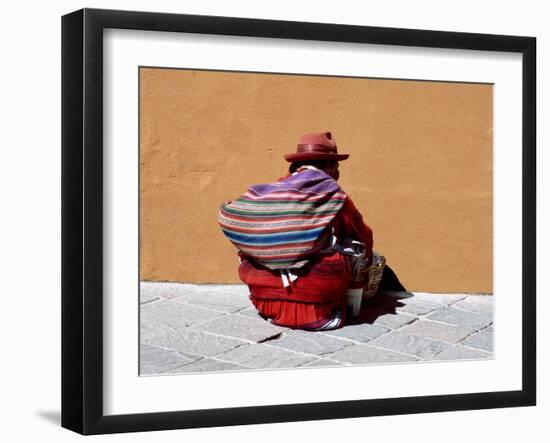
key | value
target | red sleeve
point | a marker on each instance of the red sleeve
(349, 223)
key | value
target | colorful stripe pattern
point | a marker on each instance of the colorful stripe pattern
(281, 224)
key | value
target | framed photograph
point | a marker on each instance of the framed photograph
(270, 221)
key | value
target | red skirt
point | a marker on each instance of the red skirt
(313, 301)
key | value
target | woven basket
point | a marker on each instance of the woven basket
(374, 275)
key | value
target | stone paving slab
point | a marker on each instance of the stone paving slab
(263, 356)
(171, 316)
(418, 307)
(155, 360)
(477, 303)
(249, 312)
(151, 329)
(362, 332)
(322, 362)
(148, 297)
(241, 290)
(442, 299)
(461, 353)
(438, 331)
(376, 315)
(197, 343)
(363, 354)
(310, 343)
(165, 290)
(189, 328)
(461, 318)
(481, 340)
(208, 365)
(410, 344)
(408, 305)
(247, 328)
(219, 301)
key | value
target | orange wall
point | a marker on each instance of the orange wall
(420, 168)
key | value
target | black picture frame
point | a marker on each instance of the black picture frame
(82, 218)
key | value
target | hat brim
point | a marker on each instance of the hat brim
(300, 156)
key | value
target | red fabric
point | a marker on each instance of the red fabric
(310, 301)
(307, 316)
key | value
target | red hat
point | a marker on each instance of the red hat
(316, 146)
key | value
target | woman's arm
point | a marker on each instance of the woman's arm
(350, 224)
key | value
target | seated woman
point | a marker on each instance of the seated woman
(305, 251)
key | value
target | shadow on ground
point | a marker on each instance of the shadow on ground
(54, 417)
(379, 305)
(385, 301)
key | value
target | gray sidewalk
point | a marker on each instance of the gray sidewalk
(196, 328)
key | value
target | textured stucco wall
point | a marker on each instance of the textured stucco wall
(420, 168)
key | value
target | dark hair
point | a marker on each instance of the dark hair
(319, 164)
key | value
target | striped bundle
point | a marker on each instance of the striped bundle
(280, 225)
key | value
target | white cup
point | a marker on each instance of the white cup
(353, 300)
